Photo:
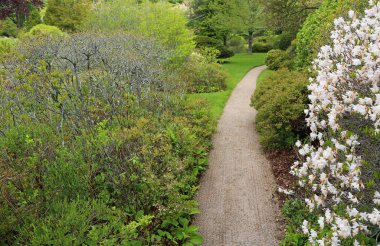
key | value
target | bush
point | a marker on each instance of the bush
(203, 77)
(277, 59)
(8, 28)
(225, 53)
(284, 41)
(280, 100)
(264, 44)
(68, 15)
(33, 19)
(42, 30)
(315, 31)
(159, 21)
(7, 44)
(205, 41)
(102, 148)
(261, 48)
(237, 44)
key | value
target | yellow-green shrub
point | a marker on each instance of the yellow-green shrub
(280, 100)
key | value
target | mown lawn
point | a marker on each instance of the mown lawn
(237, 66)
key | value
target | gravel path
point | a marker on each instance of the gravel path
(236, 192)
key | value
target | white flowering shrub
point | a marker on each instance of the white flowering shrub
(339, 167)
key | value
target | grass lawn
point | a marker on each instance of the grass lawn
(237, 66)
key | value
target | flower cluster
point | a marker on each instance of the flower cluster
(346, 86)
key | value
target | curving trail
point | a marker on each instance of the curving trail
(236, 193)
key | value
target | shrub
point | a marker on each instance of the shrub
(265, 43)
(277, 59)
(315, 31)
(33, 19)
(284, 41)
(68, 15)
(6, 45)
(225, 53)
(339, 167)
(101, 148)
(280, 100)
(237, 44)
(159, 21)
(8, 28)
(205, 41)
(261, 48)
(201, 76)
(202, 41)
(42, 30)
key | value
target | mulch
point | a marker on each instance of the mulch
(281, 162)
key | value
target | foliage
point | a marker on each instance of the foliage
(6, 45)
(338, 167)
(205, 41)
(159, 21)
(279, 120)
(236, 67)
(8, 28)
(265, 43)
(315, 31)
(200, 76)
(237, 44)
(18, 10)
(288, 15)
(97, 144)
(222, 18)
(277, 59)
(33, 19)
(68, 15)
(42, 30)
(284, 41)
(213, 19)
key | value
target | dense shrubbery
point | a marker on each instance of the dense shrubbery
(339, 166)
(68, 15)
(202, 76)
(205, 41)
(237, 44)
(6, 44)
(44, 30)
(159, 21)
(265, 43)
(8, 28)
(97, 144)
(280, 100)
(277, 59)
(315, 31)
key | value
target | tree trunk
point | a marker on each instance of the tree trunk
(225, 40)
(250, 41)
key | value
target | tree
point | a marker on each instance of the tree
(288, 15)
(67, 14)
(213, 18)
(248, 13)
(17, 10)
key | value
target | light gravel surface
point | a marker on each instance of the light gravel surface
(236, 194)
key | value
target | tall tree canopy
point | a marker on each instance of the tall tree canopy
(17, 10)
(288, 15)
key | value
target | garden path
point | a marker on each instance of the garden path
(236, 192)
